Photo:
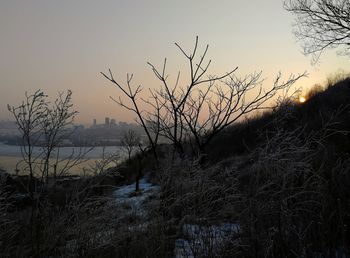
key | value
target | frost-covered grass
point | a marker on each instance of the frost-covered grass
(204, 240)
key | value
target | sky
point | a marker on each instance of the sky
(60, 45)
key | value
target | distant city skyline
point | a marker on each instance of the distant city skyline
(60, 45)
(106, 121)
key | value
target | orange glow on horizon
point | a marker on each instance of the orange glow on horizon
(302, 99)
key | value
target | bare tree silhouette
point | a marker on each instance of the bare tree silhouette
(197, 109)
(43, 126)
(321, 24)
(130, 141)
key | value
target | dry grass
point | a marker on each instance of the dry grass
(289, 197)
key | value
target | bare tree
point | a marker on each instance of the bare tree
(28, 118)
(130, 141)
(229, 101)
(43, 127)
(133, 96)
(201, 107)
(322, 24)
(174, 99)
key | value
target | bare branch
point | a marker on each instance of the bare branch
(321, 24)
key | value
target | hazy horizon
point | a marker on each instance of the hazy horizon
(60, 45)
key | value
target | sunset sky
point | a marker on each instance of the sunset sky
(58, 45)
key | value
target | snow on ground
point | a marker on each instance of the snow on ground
(183, 249)
(124, 192)
(197, 239)
(127, 196)
(203, 239)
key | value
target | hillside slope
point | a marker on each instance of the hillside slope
(283, 177)
(330, 106)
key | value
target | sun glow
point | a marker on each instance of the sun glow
(302, 99)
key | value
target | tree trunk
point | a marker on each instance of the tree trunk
(139, 174)
(137, 184)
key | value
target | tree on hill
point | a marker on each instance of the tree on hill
(196, 107)
(321, 24)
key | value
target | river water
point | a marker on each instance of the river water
(10, 156)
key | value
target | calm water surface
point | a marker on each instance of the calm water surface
(11, 155)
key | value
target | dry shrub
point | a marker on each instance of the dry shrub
(314, 90)
(282, 197)
(335, 78)
(188, 191)
(8, 227)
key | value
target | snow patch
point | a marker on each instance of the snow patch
(127, 196)
(203, 239)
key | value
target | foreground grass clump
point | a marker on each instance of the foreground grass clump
(82, 221)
